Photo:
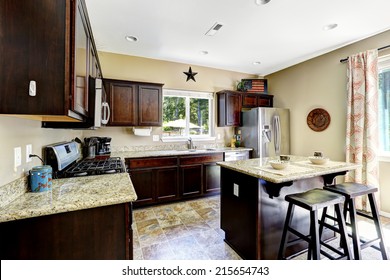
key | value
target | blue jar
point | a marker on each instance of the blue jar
(41, 178)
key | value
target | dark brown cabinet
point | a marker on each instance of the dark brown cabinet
(102, 233)
(47, 43)
(252, 100)
(191, 180)
(155, 180)
(229, 108)
(171, 178)
(134, 103)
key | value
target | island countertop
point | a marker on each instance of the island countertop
(299, 168)
(71, 194)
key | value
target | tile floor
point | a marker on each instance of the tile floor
(190, 230)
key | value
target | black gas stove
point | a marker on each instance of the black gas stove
(65, 160)
(95, 166)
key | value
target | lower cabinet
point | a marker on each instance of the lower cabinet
(191, 180)
(162, 179)
(102, 233)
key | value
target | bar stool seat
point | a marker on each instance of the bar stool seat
(314, 200)
(350, 191)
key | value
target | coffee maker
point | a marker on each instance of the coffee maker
(103, 146)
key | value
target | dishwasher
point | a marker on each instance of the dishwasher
(236, 155)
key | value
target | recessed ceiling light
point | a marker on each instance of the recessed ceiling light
(204, 52)
(257, 63)
(329, 26)
(262, 2)
(131, 38)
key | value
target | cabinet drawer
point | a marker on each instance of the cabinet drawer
(151, 162)
(185, 160)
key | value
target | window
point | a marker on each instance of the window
(384, 103)
(187, 114)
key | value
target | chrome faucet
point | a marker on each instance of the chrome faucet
(190, 144)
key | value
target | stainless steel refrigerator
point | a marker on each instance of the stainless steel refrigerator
(267, 131)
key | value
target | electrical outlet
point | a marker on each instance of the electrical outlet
(219, 136)
(17, 157)
(156, 138)
(28, 152)
(235, 189)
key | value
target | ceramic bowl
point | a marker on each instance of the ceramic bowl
(318, 160)
(279, 164)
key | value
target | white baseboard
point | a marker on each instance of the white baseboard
(384, 214)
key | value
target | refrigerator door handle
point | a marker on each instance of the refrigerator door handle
(277, 134)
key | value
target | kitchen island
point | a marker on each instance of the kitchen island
(80, 218)
(253, 207)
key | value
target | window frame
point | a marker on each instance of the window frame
(383, 63)
(187, 94)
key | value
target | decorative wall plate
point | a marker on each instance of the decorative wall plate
(318, 119)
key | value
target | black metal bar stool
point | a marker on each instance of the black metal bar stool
(314, 200)
(350, 191)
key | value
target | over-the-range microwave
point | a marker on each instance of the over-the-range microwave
(99, 109)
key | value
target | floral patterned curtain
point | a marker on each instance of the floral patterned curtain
(362, 121)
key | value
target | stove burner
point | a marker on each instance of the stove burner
(96, 166)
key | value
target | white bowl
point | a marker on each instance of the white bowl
(279, 164)
(318, 160)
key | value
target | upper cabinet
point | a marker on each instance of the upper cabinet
(134, 103)
(48, 55)
(229, 108)
(231, 103)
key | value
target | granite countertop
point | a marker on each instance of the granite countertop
(179, 152)
(299, 168)
(71, 194)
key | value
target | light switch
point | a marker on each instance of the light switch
(235, 189)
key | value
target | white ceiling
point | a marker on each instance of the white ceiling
(279, 34)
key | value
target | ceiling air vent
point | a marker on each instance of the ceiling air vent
(214, 29)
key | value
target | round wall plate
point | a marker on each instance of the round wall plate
(318, 119)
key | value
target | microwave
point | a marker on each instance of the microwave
(98, 107)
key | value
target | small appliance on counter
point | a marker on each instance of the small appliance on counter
(64, 159)
(97, 146)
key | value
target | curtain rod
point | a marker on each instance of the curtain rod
(379, 49)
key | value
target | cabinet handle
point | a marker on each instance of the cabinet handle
(32, 89)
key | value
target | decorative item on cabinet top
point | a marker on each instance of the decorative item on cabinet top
(253, 85)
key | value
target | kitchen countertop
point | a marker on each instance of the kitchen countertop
(71, 194)
(299, 168)
(159, 153)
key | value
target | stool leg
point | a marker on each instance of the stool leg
(355, 232)
(314, 235)
(287, 223)
(323, 217)
(378, 227)
(343, 231)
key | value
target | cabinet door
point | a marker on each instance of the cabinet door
(233, 109)
(123, 103)
(166, 183)
(149, 105)
(33, 48)
(81, 67)
(212, 177)
(142, 180)
(249, 100)
(191, 180)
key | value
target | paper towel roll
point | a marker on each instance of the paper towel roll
(142, 131)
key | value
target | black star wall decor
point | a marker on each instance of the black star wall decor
(190, 75)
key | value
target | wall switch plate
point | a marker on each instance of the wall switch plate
(17, 157)
(156, 138)
(219, 136)
(28, 152)
(235, 189)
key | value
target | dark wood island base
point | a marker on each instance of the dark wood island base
(253, 209)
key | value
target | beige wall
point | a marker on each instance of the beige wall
(321, 83)
(16, 132)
